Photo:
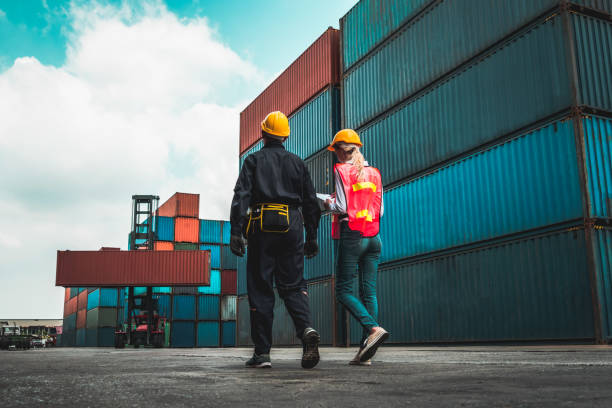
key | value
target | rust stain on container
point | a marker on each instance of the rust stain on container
(181, 205)
(312, 71)
(132, 268)
(186, 229)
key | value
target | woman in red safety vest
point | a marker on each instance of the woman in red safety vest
(357, 206)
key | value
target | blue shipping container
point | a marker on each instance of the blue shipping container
(215, 255)
(208, 307)
(183, 307)
(70, 322)
(227, 232)
(210, 231)
(215, 284)
(324, 263)
(598, 153)
(525, 183)
(208, 334)
(103, 297)
(602, 260)
(81, 337)
(163, 305)
(228, 259)
(165, 228)
(229, 334)
(182, 334)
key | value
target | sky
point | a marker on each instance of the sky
(102, 100)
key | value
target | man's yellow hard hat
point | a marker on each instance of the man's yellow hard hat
(348, 136)
(276, 123)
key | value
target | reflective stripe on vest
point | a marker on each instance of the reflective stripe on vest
(363, 200)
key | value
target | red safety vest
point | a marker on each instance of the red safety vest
(363, 200)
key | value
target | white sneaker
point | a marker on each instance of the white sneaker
(371, 344)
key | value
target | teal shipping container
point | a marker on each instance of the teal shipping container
(528, 182)
(523, 82)
(534, 288)
(228, 336)
(162, 289)
(182, 334)
(208, 334)
(208, 307)
(322, 265)
(321, 169)
(315, 124)
(243, 323)
(81, 337)
(215, 255)
(369, 22)
(69, 323)
(226, 233)
(164, 305)
(241, 274)
(183, 307)
(68, 338)
(447, 35)
(73, 292)
(215, 284)
(103, 297)
(100, 337)
(228, 259)
(165, 228)
(255, 148)
(597, 147)
(210, 231)
(101, 317)
(601, 238)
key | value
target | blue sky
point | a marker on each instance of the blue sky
(103, 100)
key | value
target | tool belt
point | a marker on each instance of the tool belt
(269, 217)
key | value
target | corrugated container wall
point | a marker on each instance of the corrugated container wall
(228, 308)
(312, 71)
(165, 228)
(228, 282)
(208, 307)
(243, 323)
(598, 155)
(215, 255)
(181, 205)
(228, 336)
(186, 229)
(208, 334)
(523, 82)
(215, 284)
(183, 307)
(210, 231)
(163, 246)
(228, 259)
(183, 334)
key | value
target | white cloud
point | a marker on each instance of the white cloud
(139, 107)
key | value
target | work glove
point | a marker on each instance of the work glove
(237, 245)
(311, 248)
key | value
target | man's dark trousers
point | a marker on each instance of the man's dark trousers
(278, 256)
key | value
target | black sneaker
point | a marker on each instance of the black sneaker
(259, 361)
(310, 342)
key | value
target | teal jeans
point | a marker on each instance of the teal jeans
(358, 257)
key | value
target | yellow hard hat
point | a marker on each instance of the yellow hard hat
(276, 124)
(348, 136)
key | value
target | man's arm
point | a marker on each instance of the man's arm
(242, 197)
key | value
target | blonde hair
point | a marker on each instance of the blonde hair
(356, 156)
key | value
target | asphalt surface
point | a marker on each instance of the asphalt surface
(562, 376)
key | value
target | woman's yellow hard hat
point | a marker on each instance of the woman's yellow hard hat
(276, 123)
(348, 136)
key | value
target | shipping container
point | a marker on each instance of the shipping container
(322, 265)
(321, 169)
(81, 337)
(208, 334)
(185, 246)
(408, 62)
(182, 334)
(241, 274)
(528, 182)
(208, 307)
(598, 162)
(210, 231)
(69, 323)
(181, 205)
(522, 83)
(228, 259)
(185, 290)
(100, 337)
(228, 337)
(183, 307)
(228, 282)
(73, 292)
(102, 297)
(256, 147)
(66, 295)
(81, 320)
(186, 229)
(228, 308)
(165, 228)
(370, 22)
(164, 305)
(215, 255)
(82, 300)
(132, 268)
(315, 124)
(226, 233)
(70, 307)
(102, 317)
(215, 284)
(243, 323)
(162, 289)
(601, 238)
(163, 246)
(312, 71)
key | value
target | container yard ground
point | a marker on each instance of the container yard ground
(542, 376)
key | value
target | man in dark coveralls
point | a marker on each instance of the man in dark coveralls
(274, 201)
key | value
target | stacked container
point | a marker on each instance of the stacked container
(314, 118)
(70, 317)
(490, 126)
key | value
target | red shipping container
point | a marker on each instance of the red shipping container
(132, 268)
(110, 249)
(81, 319)
(181, 205)
(70, 307)
(229, 283)
(163, 246)
(66, 295)
(82, 300)
(186, 229)
(316, 68)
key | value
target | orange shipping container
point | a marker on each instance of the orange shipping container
(82, 300)
(181, 205)
(186, 229)
(164, 246)
(81, 319)
(67, 295)
(70, 307)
